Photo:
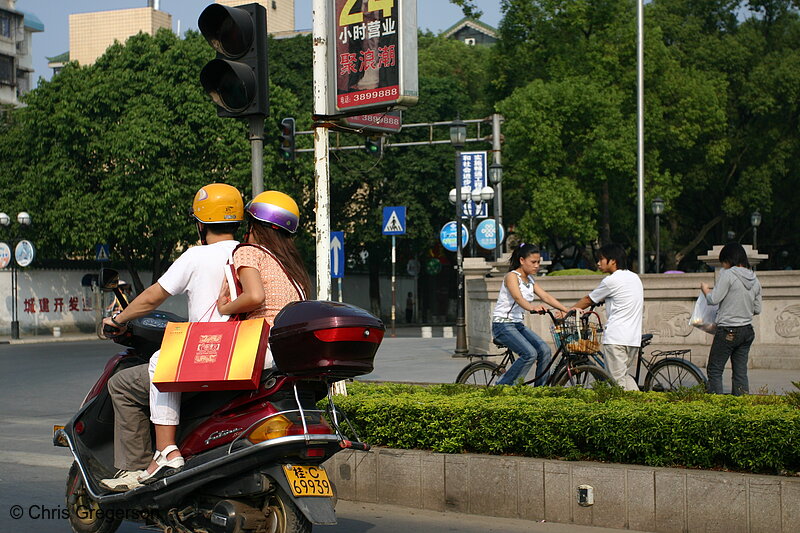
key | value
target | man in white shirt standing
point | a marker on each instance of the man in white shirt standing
(623, 295)
(217, 209)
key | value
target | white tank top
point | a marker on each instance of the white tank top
(508, 310)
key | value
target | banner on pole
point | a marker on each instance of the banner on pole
(374, 55)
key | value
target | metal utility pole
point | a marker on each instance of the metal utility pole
(321, 145)
(640, 126)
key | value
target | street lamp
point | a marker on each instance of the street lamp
(657, 205)
(458, 138)
(496, 178)
(755, 221)
(478, 197)
(24, 220)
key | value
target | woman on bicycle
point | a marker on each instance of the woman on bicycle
(738, 294)
(516, 297)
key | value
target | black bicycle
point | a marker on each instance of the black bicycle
(667, 370)
(580, 361)
(576, 339)
(664, 371)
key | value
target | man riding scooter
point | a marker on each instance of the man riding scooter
(217, 210)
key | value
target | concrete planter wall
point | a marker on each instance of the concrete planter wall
(625, 497)
(669, 301)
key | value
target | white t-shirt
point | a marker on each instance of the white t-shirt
(199, 272)
(623, 294)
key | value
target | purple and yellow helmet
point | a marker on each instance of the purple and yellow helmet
(277, 208)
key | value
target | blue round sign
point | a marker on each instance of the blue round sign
(448, 236)
(485, 234)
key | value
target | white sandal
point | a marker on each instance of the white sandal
(163, 463)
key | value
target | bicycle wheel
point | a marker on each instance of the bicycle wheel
(584, 376)
(481, 373)
(671, 374)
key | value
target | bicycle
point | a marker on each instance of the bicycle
(573, 367)
(672, 372)
(580, 339)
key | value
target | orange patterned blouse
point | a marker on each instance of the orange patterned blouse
(278, 288)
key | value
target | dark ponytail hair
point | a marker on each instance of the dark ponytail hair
(521, 252)
(281, 243)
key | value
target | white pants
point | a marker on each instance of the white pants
(619, 359)
(165, 407)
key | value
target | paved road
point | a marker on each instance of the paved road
(43, 384)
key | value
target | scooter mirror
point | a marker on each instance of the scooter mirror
(109, 279)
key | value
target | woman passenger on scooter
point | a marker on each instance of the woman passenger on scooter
(268, 264)
(516, 297)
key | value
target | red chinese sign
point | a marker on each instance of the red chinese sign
(389, 121)
(56, 305)
(368, 51)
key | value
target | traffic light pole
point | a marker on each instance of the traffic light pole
(257, 153)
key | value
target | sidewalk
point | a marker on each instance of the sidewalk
(410, 358)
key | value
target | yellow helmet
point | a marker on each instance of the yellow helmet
(218, 203)
(274, 207)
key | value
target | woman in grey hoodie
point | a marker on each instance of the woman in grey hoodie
(738, 294)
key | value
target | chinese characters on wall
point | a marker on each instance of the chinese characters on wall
(56, 305)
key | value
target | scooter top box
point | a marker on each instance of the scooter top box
(321, 337)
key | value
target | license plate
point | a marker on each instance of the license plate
(308, 480)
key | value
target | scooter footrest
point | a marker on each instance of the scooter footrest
(348, 444)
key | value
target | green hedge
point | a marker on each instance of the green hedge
(684, 428)
(575, 272)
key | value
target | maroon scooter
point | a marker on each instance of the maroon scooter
(253, 458)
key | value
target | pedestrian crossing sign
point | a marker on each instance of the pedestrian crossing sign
(394, 220)
(102, 253)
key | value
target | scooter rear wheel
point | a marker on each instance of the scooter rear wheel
(283, 516)
(85, 516)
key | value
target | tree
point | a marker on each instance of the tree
(571, 119)
(114, 152)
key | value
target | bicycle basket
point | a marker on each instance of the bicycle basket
(582, 335)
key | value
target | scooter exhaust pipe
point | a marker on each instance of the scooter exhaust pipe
(234, 517)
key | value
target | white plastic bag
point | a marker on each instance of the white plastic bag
(704, 315)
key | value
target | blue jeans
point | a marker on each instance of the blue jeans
(528, 346)
(730, 343)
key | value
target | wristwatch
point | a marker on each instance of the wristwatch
(119, 325)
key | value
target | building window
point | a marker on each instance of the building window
(6, 70)
(470, 41)
(5, 25)
(23, 82)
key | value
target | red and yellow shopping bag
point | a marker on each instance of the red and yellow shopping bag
(212, 356)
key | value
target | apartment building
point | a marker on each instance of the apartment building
(16, 64)
(90, 34)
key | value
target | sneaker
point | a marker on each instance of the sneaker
(124, 481)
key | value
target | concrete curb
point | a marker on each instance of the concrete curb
(625, 496)
(48, 340)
